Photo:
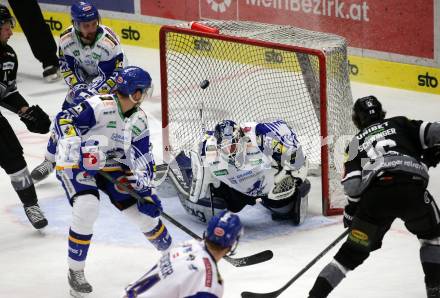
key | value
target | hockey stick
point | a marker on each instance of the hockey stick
(163, 169)
(203, 85)
(312, 262)
(237, 262)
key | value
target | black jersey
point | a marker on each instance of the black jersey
(390, 145)
(10, 98)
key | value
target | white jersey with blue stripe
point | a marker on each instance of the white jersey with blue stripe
(124, 137)
(100, 61)
(186, 271)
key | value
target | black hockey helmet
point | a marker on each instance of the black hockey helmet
(366, 111)
(5, 16)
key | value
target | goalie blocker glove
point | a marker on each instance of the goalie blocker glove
(36, 120)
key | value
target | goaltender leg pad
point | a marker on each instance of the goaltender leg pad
(199, 204)
(295, 207)
(202, 210)
(185, 165)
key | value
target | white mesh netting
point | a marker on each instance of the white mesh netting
(255, 81)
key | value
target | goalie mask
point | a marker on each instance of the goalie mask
(366, 111)
(228, 135)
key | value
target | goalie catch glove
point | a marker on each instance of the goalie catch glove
(36, 120)
(431, 156)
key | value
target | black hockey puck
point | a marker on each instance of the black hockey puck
(204, 84)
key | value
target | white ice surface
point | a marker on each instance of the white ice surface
(35, 265)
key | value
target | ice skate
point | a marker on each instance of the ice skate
(42, 171)
(79, 286)
(51, 73)
(35, 216)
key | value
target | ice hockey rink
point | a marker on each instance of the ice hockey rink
(35, 264)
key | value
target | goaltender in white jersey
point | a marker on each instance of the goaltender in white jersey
(238, 164)
(190, 269)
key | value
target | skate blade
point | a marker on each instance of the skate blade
(42, 231)
(76, 294)
(52, 78)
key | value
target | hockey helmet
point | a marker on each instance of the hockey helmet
(131, 79)
(228, 135)
(5, 16)
(224, 229)
(83, 11)
(366, 111)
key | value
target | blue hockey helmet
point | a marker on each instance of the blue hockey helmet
(131, 79)
(224, 229)
(83, 11)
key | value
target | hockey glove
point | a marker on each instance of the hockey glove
(77, 89)
(92, 158)
(36, 120)
(431, 156)
(150, 205)
(349, 212)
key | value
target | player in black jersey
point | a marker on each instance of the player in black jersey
(11, 152)
(385, 178)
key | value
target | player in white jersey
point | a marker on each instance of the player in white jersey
(90, 57)
(107, 133)
(190, 269)
(236, 165)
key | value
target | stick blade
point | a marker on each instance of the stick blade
(257, 258)
(260, 295)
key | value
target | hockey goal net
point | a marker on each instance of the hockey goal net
(259, 72)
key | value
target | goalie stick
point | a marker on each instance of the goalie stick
(237, 262)
(301, 272)
(162, 169)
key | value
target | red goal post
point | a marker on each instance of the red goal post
(259, 72)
